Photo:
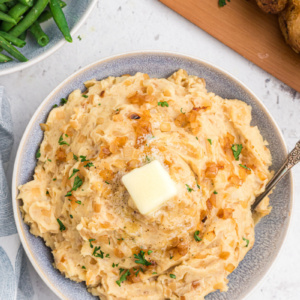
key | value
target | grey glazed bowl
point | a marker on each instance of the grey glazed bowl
(270, 232)
(76, 13)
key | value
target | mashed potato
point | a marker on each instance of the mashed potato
(78, 205)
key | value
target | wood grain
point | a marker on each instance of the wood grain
(242, 26)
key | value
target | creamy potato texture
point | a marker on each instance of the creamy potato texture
(78, 205)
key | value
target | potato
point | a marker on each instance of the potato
(289, 21)
(272, 6)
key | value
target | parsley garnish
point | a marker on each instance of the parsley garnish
(79, 37)
(83, 267)
(71, 216)
(171, 256)
(100, 254)
(245, 167)
(149, 252)
(209, 140)
(163, 103)
(68, 194)
(78, 202)
(49, 160)
(107, 255)
(236, 150)
(54, 179)
(38, 153)
(61, 225)
(223, 2)
(83, 158)
(75, 157)
(198, 186)
(106, 182)
(141, 259)
(91, 240)
(154, 273)
(88, 165)
(47, 192)
(54, 106)
(147, 158)
(196, 236)
(189, 188)
(85, 96)
(63, 101)
(173, 276)
(74, 172)
(62, 142)
(215, 192)
(247, 242)
(123, 277)
(182, 111)
(77, 183)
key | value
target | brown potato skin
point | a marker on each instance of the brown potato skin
(289, 21)
(272, 6)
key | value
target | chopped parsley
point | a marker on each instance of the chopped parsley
(245, 167)
(71, 216)
(61, 225)
(106, 182)
(88, 165)
(74, 172)
(98, 254)
(198, 186)
(68, 194)
(163, 104)
(223, 2)
(62, 142)
(47, 193)
(85, 96)
(63, 101)
(147, 158)
(83, 267)
(215, 192)
(107, 255)
(78, 202)
(49, 160)
(77, 183)
(79, 37)
(54, 179)
(38, 153)
(209, 140)
(171, 256)
(197, 138)
(141, 259)
(83, 158)
(149, 252)
(154, 273)
(236, 150)
(123, 277)
(189, 188)
(247, 242)
(54, 106)
(182, 111)
(75, 157)
(173, 276)
(196, 236)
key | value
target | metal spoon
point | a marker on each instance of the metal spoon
(292, 159)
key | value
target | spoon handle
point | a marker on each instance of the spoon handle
(292, 159)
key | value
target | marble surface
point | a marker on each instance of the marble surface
(129, 25)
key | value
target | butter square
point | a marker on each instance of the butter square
(149, 187)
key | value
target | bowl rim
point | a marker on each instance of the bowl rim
(17, 216)
(58, 45)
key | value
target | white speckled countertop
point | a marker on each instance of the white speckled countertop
(128, 25)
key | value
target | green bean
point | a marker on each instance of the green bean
(60, 19)
(23, 36)
(3, 8)
(4, 58)
(26, 2)
(7, 18)
(15, 41)
(15, 12)
(30, 18)
(47, 14)
(40, 36)
(12, 50)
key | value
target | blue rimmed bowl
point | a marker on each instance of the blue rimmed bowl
(269, 233)
(76, 13)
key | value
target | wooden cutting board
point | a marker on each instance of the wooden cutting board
(242, 26)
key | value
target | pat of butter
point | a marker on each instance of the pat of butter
(149, 186)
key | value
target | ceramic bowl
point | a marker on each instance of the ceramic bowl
(269, 233)
(76, 13)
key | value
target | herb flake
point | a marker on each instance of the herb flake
(236, 150)
(163, 104)
(189, 188)
(245, 167)
(196, 236)
(62, 142)
(74, 172)
(247, 241)
(141, 259)
(61, 225)
(123, 277)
